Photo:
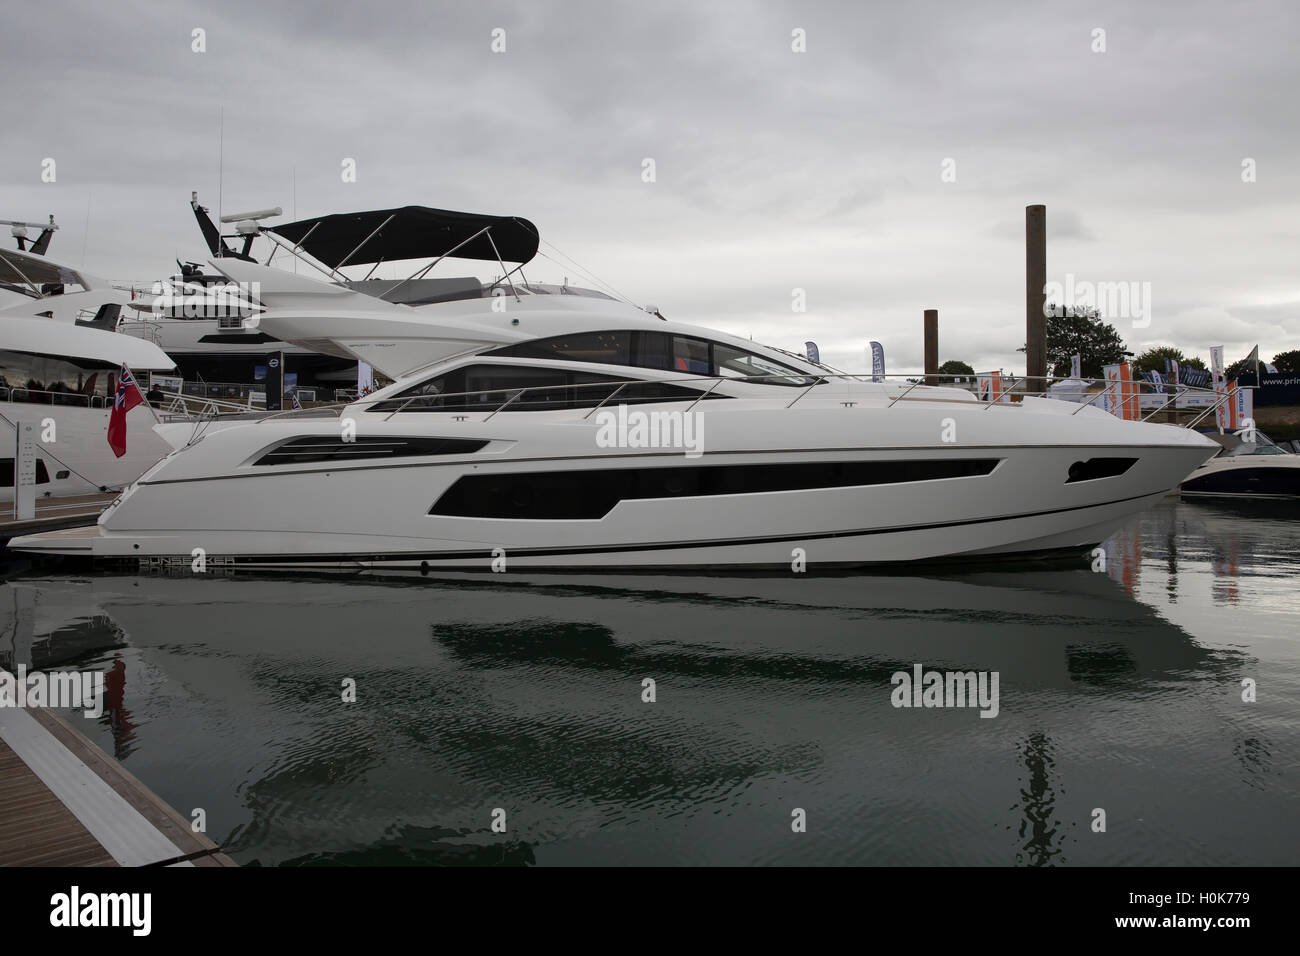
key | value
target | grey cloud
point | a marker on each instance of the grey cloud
(775, 169)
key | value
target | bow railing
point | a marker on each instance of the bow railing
(903, 387)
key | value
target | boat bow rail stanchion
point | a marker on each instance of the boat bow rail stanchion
(467, 402)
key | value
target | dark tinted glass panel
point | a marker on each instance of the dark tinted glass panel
(610, 348)
(1098, 468)
(7, 473)
(560, 495)
(691, 356)
(1279, 482)
(654, 350)
(53, 379)
(732, 362)
(486, 387)
(315, 449)
(659, 350)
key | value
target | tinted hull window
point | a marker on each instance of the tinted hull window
(559, 495)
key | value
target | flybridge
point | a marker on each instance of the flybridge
(411, 232)
(376, 236)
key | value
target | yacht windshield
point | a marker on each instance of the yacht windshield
(1245, 449)
(660, 350)
(526, 388)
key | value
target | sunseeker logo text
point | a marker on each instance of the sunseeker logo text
(68, 689)
(74, 908)
(922, 688)
(632, 428)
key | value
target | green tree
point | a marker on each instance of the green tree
(1080, 331)
(1287, 361)
(953, 367)
(1233, 371)
(1153, 359)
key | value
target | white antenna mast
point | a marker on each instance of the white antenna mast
(221, 166)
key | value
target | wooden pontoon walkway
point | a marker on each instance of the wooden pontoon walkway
(64, 802)
(55, 513)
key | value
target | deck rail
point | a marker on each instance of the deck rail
(39, 396)
(491, 401)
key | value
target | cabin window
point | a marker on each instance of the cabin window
(53, 379)
(736, 363)
(485, 387)
(1094, 468)
(7, 472)
(589, 495)
(313, 449)
(607, 348)
(691, 356)
(658, 350)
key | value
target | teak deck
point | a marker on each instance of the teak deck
(64, 802)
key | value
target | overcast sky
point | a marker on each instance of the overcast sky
(775, 170)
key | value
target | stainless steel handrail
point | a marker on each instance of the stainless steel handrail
(56, 398)
(516, 394)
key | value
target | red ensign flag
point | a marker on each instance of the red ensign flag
(128, 397)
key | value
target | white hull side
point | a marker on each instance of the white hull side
(1000, 513)
(81, 446)
(1006, 536)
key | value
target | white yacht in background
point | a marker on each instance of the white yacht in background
(197, 317)
(508, 436)
(59, 362)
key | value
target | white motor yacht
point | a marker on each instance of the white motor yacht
(540, 427)
(59, 362)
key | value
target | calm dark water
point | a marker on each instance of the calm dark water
(1119, 690)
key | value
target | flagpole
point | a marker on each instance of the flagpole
(152, 410)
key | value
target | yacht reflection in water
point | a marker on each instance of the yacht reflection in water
(526, 692)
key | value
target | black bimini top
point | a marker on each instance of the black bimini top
(411, 232)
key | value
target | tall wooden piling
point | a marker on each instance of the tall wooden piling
(1035, 297)
(931, 346)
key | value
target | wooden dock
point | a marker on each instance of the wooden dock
(55, 513)
(64, 802)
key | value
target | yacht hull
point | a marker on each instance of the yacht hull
(888, 505)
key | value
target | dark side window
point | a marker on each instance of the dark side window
(659, 350)
(7, 472)
(485, 387)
